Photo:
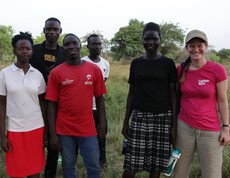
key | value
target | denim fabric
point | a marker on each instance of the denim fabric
(89, 151)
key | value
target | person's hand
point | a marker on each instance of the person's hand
(224, 136)
(172, 135)
(101, 132)
(45, 140)
(5, 144)
(55, 142)
(125, 129)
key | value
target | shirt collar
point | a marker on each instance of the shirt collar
(15, 68)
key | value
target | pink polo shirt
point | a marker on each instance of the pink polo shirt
(199, 96)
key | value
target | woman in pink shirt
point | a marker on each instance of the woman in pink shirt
(203, 85)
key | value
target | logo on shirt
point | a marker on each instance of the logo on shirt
(202, 82)
(88, 82)
(50, 58)
(67, 82)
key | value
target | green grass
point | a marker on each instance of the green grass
(115, 100)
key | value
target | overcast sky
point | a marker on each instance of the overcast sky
(83, 16)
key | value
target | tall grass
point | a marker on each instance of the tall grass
(115, 101)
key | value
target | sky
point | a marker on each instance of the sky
(84, 16)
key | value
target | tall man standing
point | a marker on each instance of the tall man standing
(72, 86)
(46, 56)
(94, 46)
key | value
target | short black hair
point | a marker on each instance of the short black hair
(152, 26)
(53, 19)
(22, 36)
(71, 34)
(90, 36)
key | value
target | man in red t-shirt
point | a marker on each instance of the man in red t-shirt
(72, 86)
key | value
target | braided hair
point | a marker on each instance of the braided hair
(184, 69)
(22, 36)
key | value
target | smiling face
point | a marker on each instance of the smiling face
(71, 46)
(23, 51)
(52, 31)
(151, 41)
(196, 49)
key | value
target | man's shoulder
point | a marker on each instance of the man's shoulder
(59, 68)
(60, 47)
(104, 60)
(86, 58)
(38, 46)
(91, 66)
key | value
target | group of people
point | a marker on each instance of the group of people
(177, 107)
(69, 114)
(50, 81)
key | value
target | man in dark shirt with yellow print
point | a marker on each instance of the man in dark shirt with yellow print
(46, 56)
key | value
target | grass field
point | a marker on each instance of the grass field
(117, 88)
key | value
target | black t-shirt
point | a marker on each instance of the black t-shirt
(45, 60)
(50, 59)
(151, 79)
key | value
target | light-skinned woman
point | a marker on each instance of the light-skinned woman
(204, 87)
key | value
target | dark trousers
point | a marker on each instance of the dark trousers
(51, 163)
(102, 144)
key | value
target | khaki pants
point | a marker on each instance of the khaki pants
(208, 148)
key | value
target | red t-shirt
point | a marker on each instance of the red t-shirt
(73, 87)
(199, 96)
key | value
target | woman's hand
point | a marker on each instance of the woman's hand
(45, 140)
(224, 136)
(125, 129)
(55, 143)
(5, 144)
(172, 135)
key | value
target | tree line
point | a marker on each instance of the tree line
(126, 43)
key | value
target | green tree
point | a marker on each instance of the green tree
(224, 53)
(213, 57)
(84, 51)
(39, 39)
(127, 42)
(6, 34)
(172, 38)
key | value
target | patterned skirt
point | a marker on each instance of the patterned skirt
(148, 142)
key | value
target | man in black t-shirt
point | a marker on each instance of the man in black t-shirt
(46, 56)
